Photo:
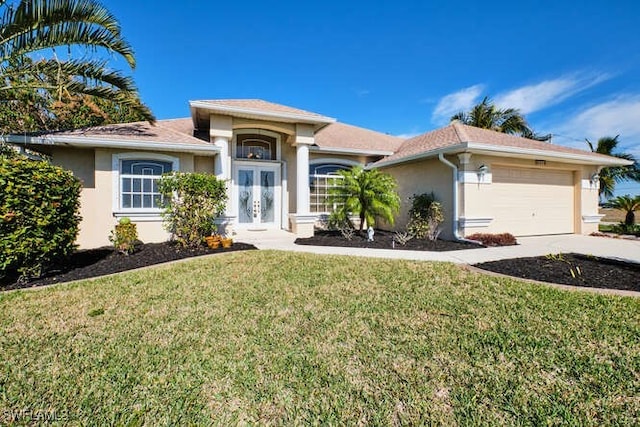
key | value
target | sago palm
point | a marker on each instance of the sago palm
(367, 194)
(611, 175)
(30, 27)
(628, 205)
(486, 115)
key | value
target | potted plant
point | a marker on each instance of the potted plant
(213, 241)
(227, 242)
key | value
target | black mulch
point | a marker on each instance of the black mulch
(102, 261)
(588, 271)
(382, 240)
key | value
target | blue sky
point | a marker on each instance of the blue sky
(399, 67)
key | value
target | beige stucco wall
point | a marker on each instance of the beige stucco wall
(587, 201)
(94, 168)
(424, 177)
(357, 158)
(203, 164)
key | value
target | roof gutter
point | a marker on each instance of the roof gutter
(387, 163)
(495, 150)
(454, 169)
(587, 157)
(207, 149)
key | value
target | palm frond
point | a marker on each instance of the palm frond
(40, 24)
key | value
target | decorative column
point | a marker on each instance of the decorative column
(220, 133)
(220, 167)
(302, 174)
(302, 222)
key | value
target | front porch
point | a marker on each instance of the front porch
(264, 157)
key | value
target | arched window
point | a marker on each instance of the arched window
(136, 181)
(323, 176)
(255, 147)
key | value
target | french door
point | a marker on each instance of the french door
(258, 196)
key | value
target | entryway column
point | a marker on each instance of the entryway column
(302, 222)
(220, 133)
(302, 173)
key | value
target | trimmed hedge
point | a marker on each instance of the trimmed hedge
(39, 215)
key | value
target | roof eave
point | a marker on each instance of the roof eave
(353, 151)
(419, 156)
(586, 158)
(90, 142)
(320, 121)
(498, 150)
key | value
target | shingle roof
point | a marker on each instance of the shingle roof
(260, 106)
(171, 131)
(343, 136)
(458, 134)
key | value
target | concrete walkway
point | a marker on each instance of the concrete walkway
(628, 250)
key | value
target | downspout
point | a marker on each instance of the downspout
(454, 168)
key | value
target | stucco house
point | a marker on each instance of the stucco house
(279, 161)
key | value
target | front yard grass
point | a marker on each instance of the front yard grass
(283, 338)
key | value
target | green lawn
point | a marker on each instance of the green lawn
(281, 338)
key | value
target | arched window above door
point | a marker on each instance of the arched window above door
(256, 147)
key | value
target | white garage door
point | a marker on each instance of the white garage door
(529, 202)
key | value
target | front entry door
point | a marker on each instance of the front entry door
(258, 196)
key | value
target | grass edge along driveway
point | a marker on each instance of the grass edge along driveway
(279, 338)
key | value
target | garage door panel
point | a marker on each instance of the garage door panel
(533, 201)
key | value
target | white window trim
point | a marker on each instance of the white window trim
(327, 161)
(140, 214)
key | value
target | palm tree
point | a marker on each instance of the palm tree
(366, 193)
(486, 115)
(40, 26)
(611, 175)
(627, 204)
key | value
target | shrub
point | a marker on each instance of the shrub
(192, 201)
(39, 217)
(402, 237)
(425, 216)
(503, 239)
(124, 236)
(624, 228)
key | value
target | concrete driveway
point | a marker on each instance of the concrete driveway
(628, 250)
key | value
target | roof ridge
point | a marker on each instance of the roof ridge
(458, 128)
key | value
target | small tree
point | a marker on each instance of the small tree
(366, 193)
(425, 216)
(192, 201)
(627, 204)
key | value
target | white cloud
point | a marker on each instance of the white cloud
(547, 93)
(619, 116)
(409, 135)
(453, 103)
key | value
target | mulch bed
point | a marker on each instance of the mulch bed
(382, 240)
(588, 271)
(89, 263)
